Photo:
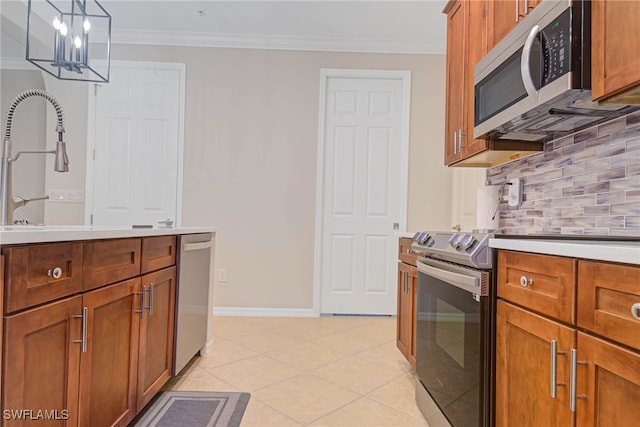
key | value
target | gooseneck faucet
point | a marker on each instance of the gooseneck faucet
(9, 203)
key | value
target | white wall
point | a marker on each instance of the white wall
(251, 135)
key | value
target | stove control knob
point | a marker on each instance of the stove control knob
(454, 241)
(424, 239)
(467, 241)
(415, 236)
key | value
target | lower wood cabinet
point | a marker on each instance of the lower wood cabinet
(94, 359)
(407, 291)
(608, 386)
(542, 354)
(155, 349)
(407, 283)
(31, 381)
(523, 369)
(108, 368)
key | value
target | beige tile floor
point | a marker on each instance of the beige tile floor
(326, 371)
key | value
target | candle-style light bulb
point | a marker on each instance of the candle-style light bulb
(56, 23)
(86, 25)
(63, 29)
(77, 42)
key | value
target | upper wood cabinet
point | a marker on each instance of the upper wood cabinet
(457, 15)
(504, 15)
(467, 43)
(615, 62)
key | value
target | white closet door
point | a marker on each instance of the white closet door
(362, 194)
(136, 171)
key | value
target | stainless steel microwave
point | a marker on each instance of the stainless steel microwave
(535, 84)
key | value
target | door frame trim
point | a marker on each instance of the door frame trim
(91, 123)
(325, 75)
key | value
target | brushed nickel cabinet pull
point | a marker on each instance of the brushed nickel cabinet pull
(151, 299)
(554, 371)
(554, 349)
(143, 302)
(83, 339)
(572, 380)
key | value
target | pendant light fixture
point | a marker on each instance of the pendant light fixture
(69, 39)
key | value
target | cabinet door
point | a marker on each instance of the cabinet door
(403, 335)
(108, 369)
(41, 361)
(504, 15)
(608, 385)
(456, 72)
(523, 369)
(155, 356)
(476, 49)
(616, 36)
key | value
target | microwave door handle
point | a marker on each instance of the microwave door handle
(525, 68)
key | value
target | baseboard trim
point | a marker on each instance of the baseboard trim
(264, 312)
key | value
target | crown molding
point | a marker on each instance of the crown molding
(253, 41)
(15, 63)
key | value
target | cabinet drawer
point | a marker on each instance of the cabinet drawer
(606, 297)
(405, 254)
(110, 261)
(36, 274)
(158, 252)
(542, 283)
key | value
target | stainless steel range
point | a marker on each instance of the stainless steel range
(455, 327)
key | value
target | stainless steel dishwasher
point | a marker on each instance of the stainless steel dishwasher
(192, 306)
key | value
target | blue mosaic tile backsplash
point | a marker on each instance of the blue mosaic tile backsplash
(587, 183)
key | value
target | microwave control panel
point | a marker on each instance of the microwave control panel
(556, 48)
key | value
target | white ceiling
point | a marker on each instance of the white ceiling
(376, 26)
(354, 26)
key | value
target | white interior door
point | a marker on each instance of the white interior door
(136, 157)
(364, 192)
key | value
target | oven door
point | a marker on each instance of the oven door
(453, 340)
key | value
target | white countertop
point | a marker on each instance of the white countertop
(400, 234)
(10, 235)
(615, 251)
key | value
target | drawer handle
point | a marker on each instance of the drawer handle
(525, 281)
(56, 273)
(635, 310)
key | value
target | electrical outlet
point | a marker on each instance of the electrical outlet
(222, 275)
(66, 196)
(515, 192)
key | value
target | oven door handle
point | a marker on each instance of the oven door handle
(468, 283)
